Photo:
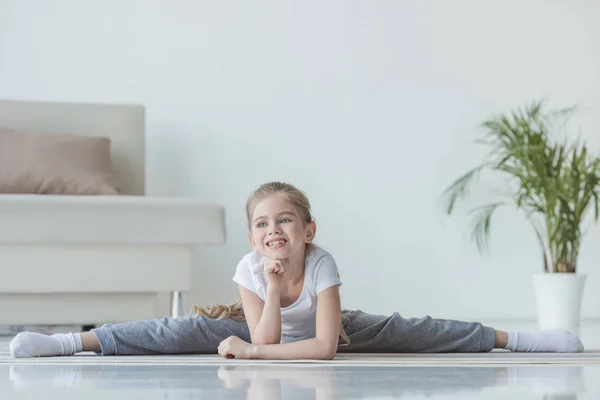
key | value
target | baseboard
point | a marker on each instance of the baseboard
(12, 330)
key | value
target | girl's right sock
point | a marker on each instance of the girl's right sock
(31, 344)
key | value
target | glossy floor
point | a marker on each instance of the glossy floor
(116, 382)
(172, 380)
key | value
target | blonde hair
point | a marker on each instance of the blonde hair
(233, 311)
(302, 204)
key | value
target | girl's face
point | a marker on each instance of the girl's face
(277, 230)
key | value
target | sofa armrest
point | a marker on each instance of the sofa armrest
(64, 219)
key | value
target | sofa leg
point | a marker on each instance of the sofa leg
(176, 304)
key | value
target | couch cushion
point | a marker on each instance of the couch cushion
(30, 218)
(55, 164)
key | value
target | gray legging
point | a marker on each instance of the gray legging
(368, 333)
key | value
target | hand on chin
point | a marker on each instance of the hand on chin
(276, 254)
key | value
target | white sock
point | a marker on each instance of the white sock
(550, 341)
(31, 344)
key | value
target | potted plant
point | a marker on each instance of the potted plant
(556, 185)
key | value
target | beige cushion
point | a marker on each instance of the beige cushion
(56, 163)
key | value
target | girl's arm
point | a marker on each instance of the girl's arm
(263, 318)
(323, 346)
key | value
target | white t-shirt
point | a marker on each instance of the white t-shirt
(299, 319)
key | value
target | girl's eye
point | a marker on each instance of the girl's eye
(284, 220)
(260, 224)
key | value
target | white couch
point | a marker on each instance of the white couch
(94, 259)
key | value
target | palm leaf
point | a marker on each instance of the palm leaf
(460, 187)
(480, 231)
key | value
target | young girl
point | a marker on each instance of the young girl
(290, 308)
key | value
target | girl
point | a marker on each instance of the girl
(289, 309)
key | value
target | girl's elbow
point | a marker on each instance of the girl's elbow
(328, 351)
(263, 339)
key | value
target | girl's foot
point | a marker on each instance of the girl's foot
(550, 341)
(31, 344)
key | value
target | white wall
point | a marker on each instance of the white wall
(371, 107)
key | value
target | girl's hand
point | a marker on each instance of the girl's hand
(274, 270)
(234, 347)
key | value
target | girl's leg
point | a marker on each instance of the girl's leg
(161, 336)
(169, 336)
(393, 334)
(501, 340)
(370, 333)
(89, 342)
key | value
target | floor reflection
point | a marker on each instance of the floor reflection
(301, 381)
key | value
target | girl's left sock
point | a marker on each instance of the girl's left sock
(551, 341)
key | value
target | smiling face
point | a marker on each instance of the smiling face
(277, 230)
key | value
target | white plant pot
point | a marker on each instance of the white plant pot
(558, 299)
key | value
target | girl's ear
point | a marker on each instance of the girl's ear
(311, 230)
(251, 240)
